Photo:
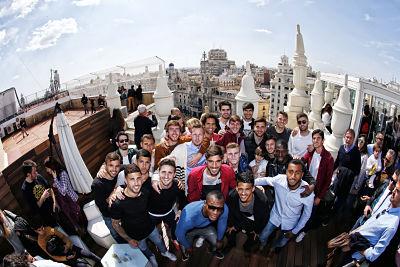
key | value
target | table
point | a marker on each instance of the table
(122, 255)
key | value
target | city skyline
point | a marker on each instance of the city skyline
(81, 36)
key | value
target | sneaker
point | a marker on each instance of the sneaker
(199, 242)
(153, 261)
(218, 254)
(300, 237)
(169, 255)
(185, 256)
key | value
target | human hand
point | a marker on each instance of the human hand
(46, 193)
(133, 243)
(156, 186)
(317, 200)
(365, 198)
(295, 131)
(367, 211)
(307, 191)
(195, 159)
(310, 148)
(102, 173)
(181, 185)
(231, 229)
(178, 215)
(289, 235)
(261, 188)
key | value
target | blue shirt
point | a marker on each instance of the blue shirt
(191, 151)
(290, 210)
(192, 217)
(378, 230)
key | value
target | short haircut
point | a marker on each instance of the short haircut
(121, 133)
(258, 151)
(281, 143)
(376, 147)
(270, 137)
(206, 116)
(319, 132)
(224, 103)
(283, 113)
(379, 133)
(27, 166)
(131, 168)
(167, 162)
(392, 153)
(298, 162)
(215, 194)
(147, 136)
(301, 115)
(397, 172)
(194, 123)
(214, 150)
(248, 105)
(262, 120)
(350, 131)
(235, 118)
(245, 177)
(112, 156)
(143, 153)
(174, 118)
(232, 145)
(15, 260)
(171, 123)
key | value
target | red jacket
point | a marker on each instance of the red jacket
(229, 137)
(195, 181)
(325, 171)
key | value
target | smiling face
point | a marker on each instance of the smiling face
(270, 146)
(197, 136)
(113, 167)
(225, 112)
(317, 141)
(144, 164)
(134, 182)
(147, 144)
(281, 121)
(245, 192)
(167, 174)
(248, 114)
(173, 133)
(213, 208)
(235, 126)
(233, 155)
(294, 174)
(348, 139)
(214, 165)
(259, 129)
(210, 126)
(123, 142)
(303, 124)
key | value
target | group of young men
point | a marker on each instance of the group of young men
(220, 176)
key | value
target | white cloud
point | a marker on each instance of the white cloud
(123, 21)
(309, 2)
(323, 62)
(6, 35)
(259, 3)
(367, 17)
(86, 2)
(263, 31)
(389, 58)
(194, 19)
(48, 34)
(21, 8)
(15, 77)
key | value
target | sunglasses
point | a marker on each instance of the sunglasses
(124, 141)
(219, 209)
(302, 122)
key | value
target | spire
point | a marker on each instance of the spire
(299, 57)
(247, 92)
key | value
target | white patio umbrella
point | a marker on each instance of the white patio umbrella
(79, 174)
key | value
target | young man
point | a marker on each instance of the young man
(279, 131)
(162, 205)
(225, 112)
(212, 176)
(172, 139)
(126, 153)
(38, 194)
(234, 159)
(300, 142)
(255, 138)
(248, 212)
(291, 211)
(320, 165)
(248, 120)
(269, 148)
(233, 134)
(104, 186)
(84, 101)
(379, 139)
(131, 220)
(143, 123)
(147, 142)
(209, 122)
(198, 218)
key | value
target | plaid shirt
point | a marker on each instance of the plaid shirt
(63, 185)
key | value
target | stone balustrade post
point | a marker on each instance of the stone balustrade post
(317, 102)
(113, 100)
(247, 93)
(329, 91)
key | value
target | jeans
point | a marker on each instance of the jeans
(114, 234)
(169, 220)
(155, 237)
(267, 231)
(208, 233)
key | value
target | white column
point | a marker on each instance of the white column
(358, 109)
(317, 102)
(112, 98)
(247, 93)
(163, 100)
(3, 157)
(298, 99)
(341, 119)
(329, 91)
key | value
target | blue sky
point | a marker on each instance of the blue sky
(77, 37)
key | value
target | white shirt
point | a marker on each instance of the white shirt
(290, 210)
(246, 127)
(261, 168)
(125, 160)
(314, 165)
(298, 144)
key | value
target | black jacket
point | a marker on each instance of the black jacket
(261, 212)
(350, 160)
(251, 145)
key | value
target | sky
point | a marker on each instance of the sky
(76, 37)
